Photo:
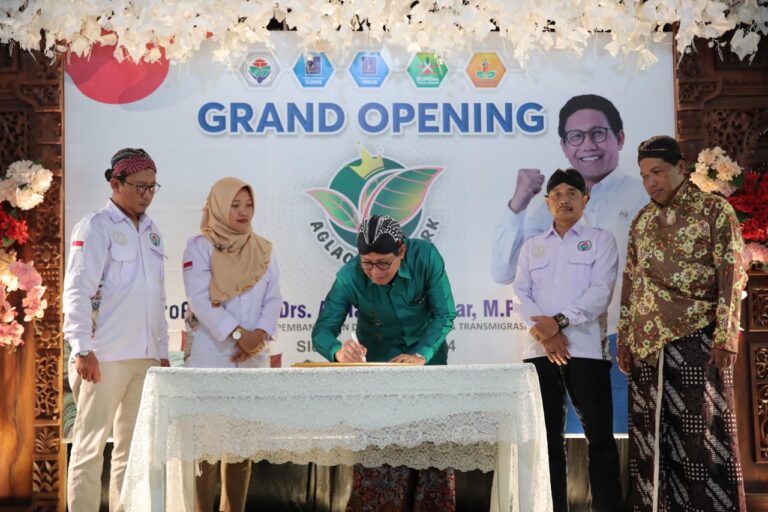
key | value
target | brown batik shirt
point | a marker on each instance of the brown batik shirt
(684, 271)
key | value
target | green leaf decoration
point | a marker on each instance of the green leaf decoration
(480, 74)
(340, 210)
(370, 187)
(402, 194)
(491, 74)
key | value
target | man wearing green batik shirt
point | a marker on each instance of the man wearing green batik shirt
(403, 296)
(405, 311)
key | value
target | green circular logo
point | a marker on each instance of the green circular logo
(374, 185)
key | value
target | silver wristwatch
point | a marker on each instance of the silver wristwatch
(83, 353)
(237, 334)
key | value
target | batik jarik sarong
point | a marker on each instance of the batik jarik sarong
(684, 453)
(402, 489)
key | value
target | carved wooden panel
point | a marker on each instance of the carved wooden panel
(760, 386)
(14, 132)
(757, 319)
(735, 130)
(692, 94)
(32, 128)
(721, 101)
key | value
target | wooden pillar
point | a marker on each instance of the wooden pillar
(752, 395)
(721, 101)
(32, 472)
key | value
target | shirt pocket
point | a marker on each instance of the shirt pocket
(123, 265)
(413, 312)
(540, 270)
(581, 264)
(418, 300)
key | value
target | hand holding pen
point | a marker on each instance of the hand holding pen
(351, 351)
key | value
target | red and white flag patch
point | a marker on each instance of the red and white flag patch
(187, 265)
(77, 245)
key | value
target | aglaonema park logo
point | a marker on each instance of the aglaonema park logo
(372, 185)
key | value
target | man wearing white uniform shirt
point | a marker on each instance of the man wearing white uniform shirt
(563, 285)
(114, 321)
(591, 136)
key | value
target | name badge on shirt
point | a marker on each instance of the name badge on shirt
(537, 250)
(585, 245)
(119, 238)
(155, 239)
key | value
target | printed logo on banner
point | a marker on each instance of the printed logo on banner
(313, 69)
(369, 69)
(427, 70)
(486, 69)
(372, 185)
(260, 69)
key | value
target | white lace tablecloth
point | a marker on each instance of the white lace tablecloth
(486, 417)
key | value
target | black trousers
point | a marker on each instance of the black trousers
(588, 383)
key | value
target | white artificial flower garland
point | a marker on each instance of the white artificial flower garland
(716, 172)
(139, 29)
(25, 184)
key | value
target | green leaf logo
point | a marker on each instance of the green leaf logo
(374, 185)
(339, 209)
(400, 194)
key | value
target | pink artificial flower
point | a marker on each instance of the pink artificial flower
(34, 304)
(11, 334)
(757, 253)
(7, 312)
(27, 275)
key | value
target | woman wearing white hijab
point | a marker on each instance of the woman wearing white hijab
(231, 280)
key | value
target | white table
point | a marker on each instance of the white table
(486, 417)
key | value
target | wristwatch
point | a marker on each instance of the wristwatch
(237, 334)
(562, 321)
(83, 353)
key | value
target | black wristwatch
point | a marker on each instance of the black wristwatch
(562, 321)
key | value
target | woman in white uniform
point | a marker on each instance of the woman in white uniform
(231, 281)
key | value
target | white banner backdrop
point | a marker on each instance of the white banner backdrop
(293, 143)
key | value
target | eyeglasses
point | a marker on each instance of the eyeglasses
(596, 134)
(143, 189)
(381, 265)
